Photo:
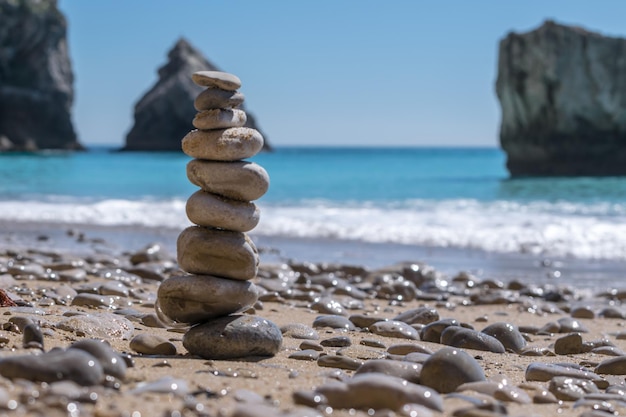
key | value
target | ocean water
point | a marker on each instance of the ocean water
(458, 198)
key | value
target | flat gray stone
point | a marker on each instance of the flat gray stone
(378, 391)
(508, 334)
(401, 369)
(231, 144)
(448, 368)
(223, 253)
(612, 366)
(212, 210)
(239, 180)
(198, 298)
(151, 344)
(98, 326)
(462, 337)
(56, 365)
(233, 337)
(394, 328)
(217, 98)
(112, 363)
(219, 119)
(219, 79)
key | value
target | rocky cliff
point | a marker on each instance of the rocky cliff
(36, 80)
(163, 115)
(562, 91)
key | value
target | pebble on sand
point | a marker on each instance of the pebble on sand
(233, 337)
(448, 368)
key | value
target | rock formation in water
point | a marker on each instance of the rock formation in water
(36, 79)
(163, 115)
(562, 91)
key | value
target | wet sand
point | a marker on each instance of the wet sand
(520, 290)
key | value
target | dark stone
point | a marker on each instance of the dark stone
(164, 114)
(36, 79)
(561, 90)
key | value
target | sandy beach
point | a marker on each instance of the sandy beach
(39, 262)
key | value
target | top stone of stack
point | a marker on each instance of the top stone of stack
(220, 134)
(218, 79)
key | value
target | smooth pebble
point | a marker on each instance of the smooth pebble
(378, 391)
(232, 144)
(239, 180)
(448, 368)
(151, 344)
(206, 251)
(197, 298)
(219, 79)
(232, 337)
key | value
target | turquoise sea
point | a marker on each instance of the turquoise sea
(458, 198)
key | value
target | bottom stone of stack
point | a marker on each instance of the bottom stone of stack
(198, 298)
(234, 337)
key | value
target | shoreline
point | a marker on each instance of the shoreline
(64, 295)
(528, 268)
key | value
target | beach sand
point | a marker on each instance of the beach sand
(266, 386)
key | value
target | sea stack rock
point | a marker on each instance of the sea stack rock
(219, 258)
(563, 100)
(36, 79)
(163, 115)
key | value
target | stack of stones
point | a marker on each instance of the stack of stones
(216, 253)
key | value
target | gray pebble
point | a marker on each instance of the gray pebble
(98, 326)
(373, 343)
(72, 275)
(569, 344)
(309, 344)
(165, 385)
(212, 98)
(571, 389)
(329, 306)
(461, 337)
(364, 320)
(340, 362)
(401, 369)
(612, 366)
(112, 363)
(393, 328)
(299, 331)
(198, 298)
(508, 334)
(115, 288)
(378, 391)
(421, 315)
(570, 325)
(432, 331)
(583, 312)
(448, 368)
(406, 348)
(151, 320)
(56, 365)
(608, 350)
(219, 79)
(334, 322)
(417, 357)
(305, 355)
(546, 371)
(32, 336)
(151, 344)
(234, 337)
(94, 300)
(337, 341)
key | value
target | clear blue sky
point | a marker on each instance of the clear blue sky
(327, 72)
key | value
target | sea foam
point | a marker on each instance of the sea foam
(587, 231)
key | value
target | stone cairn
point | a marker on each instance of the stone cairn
(217, 255)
